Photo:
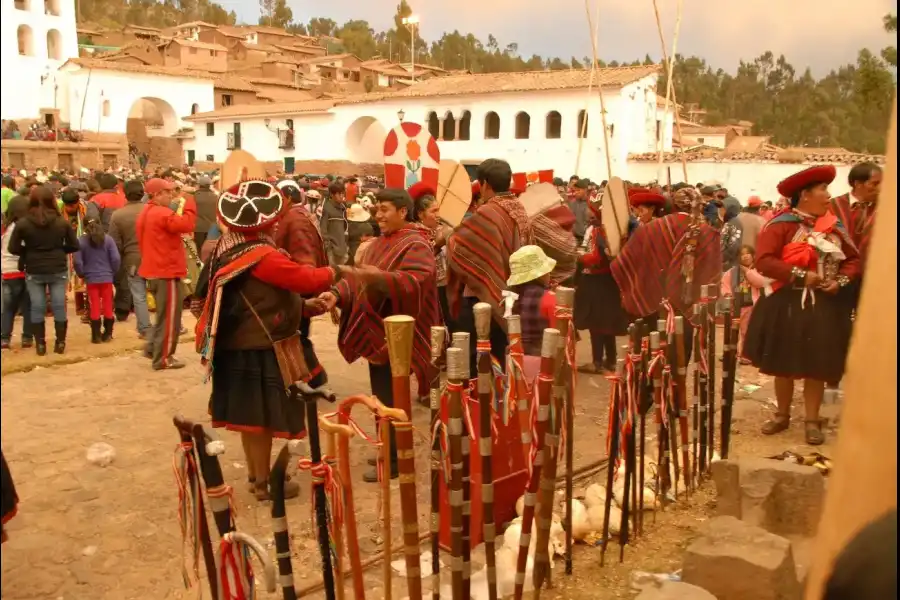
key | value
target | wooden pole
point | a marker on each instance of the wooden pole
(862, 489)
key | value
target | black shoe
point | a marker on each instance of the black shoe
(95, 331)
(40, 338)
(61, 328)
(107, 330)
(371, 476)
(122, 316)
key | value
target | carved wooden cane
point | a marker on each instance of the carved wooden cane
(483, 317)
(461, 340)
(333, 432)
(438, 340)
(681, 404)
(457, 375)
(657, 364)
(702, 358)
(516, 372)
(565, 305)
(711, 361)
(280, 526)
(696, 414)
(669, 406)
(615, 402)
(399, 331)
(732, 337)
(540, 406)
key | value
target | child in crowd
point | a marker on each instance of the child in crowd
(748, 283)
(97, 262)
(15, 295)
(529, 280)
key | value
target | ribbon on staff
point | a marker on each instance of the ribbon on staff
(353, 425)
(533, 419)
(515, 373)
(188, 481)
(668, 385)
(670, 316)
(322, 474)
(439, 433)
(236, 575)
(615, 384)
(464, 390)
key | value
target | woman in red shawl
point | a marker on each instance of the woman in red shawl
(802, 330)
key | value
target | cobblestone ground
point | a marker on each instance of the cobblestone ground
(90, 533)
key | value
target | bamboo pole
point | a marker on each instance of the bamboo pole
(670, 85)
(587, 11)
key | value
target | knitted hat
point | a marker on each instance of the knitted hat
(251, 205)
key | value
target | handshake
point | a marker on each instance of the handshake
(327, 301)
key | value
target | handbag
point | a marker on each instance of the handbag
(288, 353)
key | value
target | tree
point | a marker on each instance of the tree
(275, 13)
(358, 39)
(322, 27)
(889, 54)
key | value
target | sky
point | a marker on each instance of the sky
(820, 34)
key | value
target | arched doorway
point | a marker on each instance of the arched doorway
(151, 123)
(365, 140)
(54, 45)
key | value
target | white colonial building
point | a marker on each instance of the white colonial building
(37, 37)
(534, 120)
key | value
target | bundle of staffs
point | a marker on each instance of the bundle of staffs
(399, 331)
(457, 374)
(541, 407)
(333, 432)
(562, 379)
(438, 340)
(613, 437)
(192, 506)
(515, 371)
(729, 369)
(703, 335)
(483, 316)
(657, 365)
(681, 404)
(632, 394)
(462, 341)
(565, 300)
(384, 415)
(319, 478)
(711, 365)
(669, 408)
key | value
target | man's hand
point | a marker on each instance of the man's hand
(327, 301)
(313, 307)
(829, 287)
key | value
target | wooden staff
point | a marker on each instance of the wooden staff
(383, 414)
(318, 476)
(462, 341)
(565, 300)
(680, 403)
(632, 390)
(646, 401)
(613, 452)
(523, 397)
(711, 366)
(727, 370)
(702, 357)
(334, 432)
(457, 374)
(670, 404)
(561, 382)
(384, 438)
(549, 347)
(483, 316)
(280, 526)
(438, 339)
(695, 436)
(201, 527)
(662, 431)
(399, 331)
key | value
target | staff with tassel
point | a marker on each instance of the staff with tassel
(462, 341)
(519, 388)
(731, 334)
(457, 374)
(613, 438)
(711, 365)
(438, 339)
(399, 331)
(540, 416)
(565, 306)
(333, 432)
(632, 392)
(657, 364)
(702, 340)
(670, 403)
(483, 316)
(680, 402)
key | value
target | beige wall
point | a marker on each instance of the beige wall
(35, 155)
(281, 71)
(236, 97)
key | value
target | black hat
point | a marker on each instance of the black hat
(582, 184)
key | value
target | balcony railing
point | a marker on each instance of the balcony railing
(233, 141)
(286, 139)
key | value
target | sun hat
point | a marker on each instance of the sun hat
(357, 214)
(527, 264)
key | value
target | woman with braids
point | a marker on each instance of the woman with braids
(253, 301)
(437, 231)
(802, 330)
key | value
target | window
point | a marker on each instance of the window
(465, 125)
(491, 126)
(110, 161)
(449, 127)
(191, 157)
(434, 125)
(23, 5)
(554, 125)
(289, 123)
(582, 124)
(51, 7)
(54, 45)
(227, 99)
(106, 108)
(701, 140)
(612, 130)
(195, 108)
(26, 43)
(658, 128)
(210, 158)
(523, 126)
(210, 129)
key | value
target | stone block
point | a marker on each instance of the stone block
(674, 590)
(781, 497)
(734, 560)
(726, 475)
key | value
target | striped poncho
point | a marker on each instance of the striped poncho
(648, 269)
(408, 287)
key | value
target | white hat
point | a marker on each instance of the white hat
(357, 214)
(313, 194)
(527, 264)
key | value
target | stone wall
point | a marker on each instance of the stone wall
(165, 152)
(70, 156)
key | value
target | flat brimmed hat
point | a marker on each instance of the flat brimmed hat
(807, 178)
(357, 214)
(527, 264)
(251, 205)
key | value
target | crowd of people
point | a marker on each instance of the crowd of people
(258, 260)
(39, 132)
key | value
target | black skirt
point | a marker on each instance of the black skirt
(248, 395)
(598, 305)
(8, 497)
(785, 340)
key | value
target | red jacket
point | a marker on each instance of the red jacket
(159, 230)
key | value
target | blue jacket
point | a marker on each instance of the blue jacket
(97, 265)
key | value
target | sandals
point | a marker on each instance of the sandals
(776, 424)
(814, 434)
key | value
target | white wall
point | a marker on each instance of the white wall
(743, 179)
(87, 91)
(324, 136)
(22, 95)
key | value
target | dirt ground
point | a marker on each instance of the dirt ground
(89, 533)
